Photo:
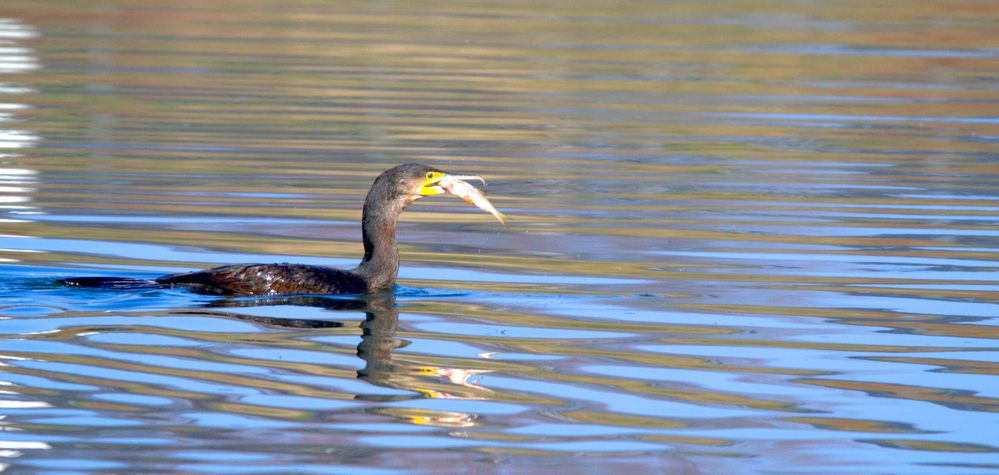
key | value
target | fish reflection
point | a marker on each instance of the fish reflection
(378, 343)
(379, 340)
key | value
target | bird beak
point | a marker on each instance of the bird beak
(432, 185)
(437, 183)
(463, 178)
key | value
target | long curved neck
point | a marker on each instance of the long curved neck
(380, 264)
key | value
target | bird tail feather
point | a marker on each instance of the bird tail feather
(110, 283)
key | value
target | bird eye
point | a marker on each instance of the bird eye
(430, 175)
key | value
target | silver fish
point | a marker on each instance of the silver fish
(456, 186)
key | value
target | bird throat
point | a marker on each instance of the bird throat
(380, 264)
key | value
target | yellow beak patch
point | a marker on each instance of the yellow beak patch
(429, 187)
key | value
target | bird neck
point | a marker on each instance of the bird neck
(380, 264)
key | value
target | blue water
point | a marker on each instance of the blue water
(743, 238)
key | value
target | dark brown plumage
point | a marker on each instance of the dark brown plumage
(270, 279)
(390, 194)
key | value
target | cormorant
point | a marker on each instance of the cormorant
(393, 190)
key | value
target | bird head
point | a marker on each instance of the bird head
(410, 182)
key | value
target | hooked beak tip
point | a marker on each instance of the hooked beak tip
(461, 178)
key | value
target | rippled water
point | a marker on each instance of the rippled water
(744, 237)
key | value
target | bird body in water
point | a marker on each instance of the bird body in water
(390, 194)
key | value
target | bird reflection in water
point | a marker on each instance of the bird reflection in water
(378, 343)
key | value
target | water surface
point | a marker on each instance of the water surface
(744, 238)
